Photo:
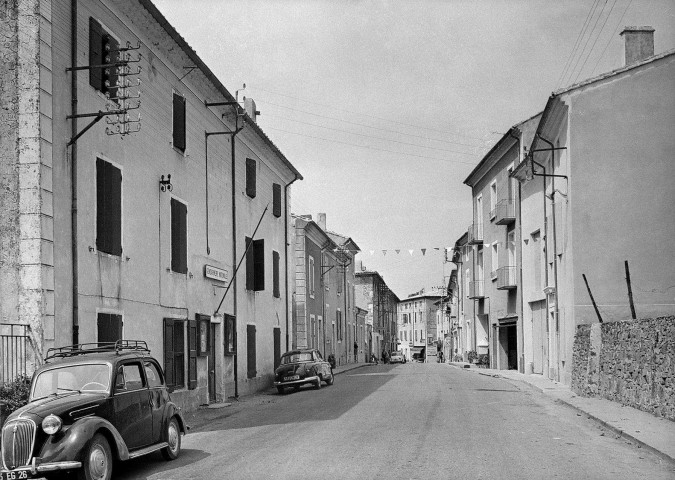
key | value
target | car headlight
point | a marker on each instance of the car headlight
(51, 424)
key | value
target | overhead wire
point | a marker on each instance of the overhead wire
(596, 41)
(588, 39)
(576, 43)
(616, 29)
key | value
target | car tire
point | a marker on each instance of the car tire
(330, 380)
(317, 384)
(172, 451)
(97, 461)
(281, 390)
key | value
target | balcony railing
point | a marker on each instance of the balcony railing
(504, 212)
(506, 278)
(476, 289)
(475, 233)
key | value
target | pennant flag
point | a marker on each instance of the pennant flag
(424, 251)
(411, 252)
(398, 251)
(437, 248)
(372, 251)
(384, 252)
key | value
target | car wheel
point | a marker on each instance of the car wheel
(172, 451)
(317, 385)
(97, 461)
(281, 390)
(331, 380)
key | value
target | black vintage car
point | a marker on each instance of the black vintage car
(299, 367)
(91, 405)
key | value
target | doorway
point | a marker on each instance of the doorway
(212, 363)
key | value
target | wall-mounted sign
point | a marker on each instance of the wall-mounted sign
(215, 273)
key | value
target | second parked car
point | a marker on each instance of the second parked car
(299, 367)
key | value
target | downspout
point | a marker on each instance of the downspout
(519, 239)
(73, 172)
(234, 252)
(286, 256)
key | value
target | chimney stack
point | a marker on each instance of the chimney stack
(639, 44)
(321, 220)
(249, 107)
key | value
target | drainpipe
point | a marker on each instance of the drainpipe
(520, 264)
(286, 254)
(234, 253)
(73, 172)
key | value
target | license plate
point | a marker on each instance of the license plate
(292, 377)
(17, 475)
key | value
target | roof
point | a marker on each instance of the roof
(164, 23)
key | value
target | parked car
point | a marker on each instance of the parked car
(299, 367)
(397, 357)
(91, 405)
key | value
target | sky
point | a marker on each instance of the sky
(385, 107)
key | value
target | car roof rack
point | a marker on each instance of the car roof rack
(118, 347)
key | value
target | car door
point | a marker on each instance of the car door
(159, 396)
(131, 405)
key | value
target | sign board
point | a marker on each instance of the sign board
(215, 273)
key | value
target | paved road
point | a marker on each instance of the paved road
(412, 421)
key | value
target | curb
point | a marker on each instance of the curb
(353, 368)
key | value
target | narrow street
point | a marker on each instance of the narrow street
(405, 422)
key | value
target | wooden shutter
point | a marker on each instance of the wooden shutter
(179, 352)
(179, 122)
(250, 177)
(192, 354)
(108, 208)
(250, 269)
(109, 327)
(259, 264)
(109, 56)
(276, 199)
(275, 273)
(250, 351)
(169, 365)
(95, 54)
(277, 347)
(178, 236)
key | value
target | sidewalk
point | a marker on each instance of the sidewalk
(647, 431)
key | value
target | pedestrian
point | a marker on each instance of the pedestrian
(356, 352)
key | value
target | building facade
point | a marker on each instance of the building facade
(420, 318)
(128, 226)
(382, 310)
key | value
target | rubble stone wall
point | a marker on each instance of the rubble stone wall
(630, 362)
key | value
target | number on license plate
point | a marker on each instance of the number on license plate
(18, 475)
(294, 377)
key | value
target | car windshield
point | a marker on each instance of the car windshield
(72, 378)
(296, 357)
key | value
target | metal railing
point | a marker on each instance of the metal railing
(475, 233)
(504, 212)
(506, 278)
(476, 289)
(16, 347)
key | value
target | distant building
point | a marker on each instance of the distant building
(382, 308)
(419, 317)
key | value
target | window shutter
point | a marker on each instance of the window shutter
(276, 196)
(178, 236)
(169, 365)
(250, 177)
(179, 352)
(109, 327)
(109, 56)
(275, 273)
(277, 347)
(250, 351)
(250, 269)
(192, 354)
(95, 54)
(259, 264)
(179, 122)
(108, 208)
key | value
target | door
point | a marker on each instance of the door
(158, 398)
(277, 347)
(131, 404)
(212, 363)
(539, 341)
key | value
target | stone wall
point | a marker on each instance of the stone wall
(630, 362)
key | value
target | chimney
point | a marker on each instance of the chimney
(249, 107)
(639, 44)
(321, 220)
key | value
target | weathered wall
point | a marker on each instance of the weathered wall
(631, 362)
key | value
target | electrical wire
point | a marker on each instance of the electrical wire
(616, 29)
(596, 41)
(568, 63)
(586, 44)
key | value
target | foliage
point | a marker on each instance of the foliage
(484, 359)
(458, 358)
(472, 355)
(14, 395)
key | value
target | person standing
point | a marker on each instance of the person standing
(356, 352)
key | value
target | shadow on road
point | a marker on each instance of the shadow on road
(143, 467)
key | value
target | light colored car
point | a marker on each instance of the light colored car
(397, 357)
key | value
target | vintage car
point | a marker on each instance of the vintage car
(89, 406)
(397, 357)
(299, 367)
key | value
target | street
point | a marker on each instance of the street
(401, 421)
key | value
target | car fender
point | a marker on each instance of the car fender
(172, 410)
(69, 442)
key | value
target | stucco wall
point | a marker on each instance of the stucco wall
(631, 362)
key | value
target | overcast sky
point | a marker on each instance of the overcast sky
(385, 107)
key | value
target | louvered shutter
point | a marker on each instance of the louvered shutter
(276, 199)
(108, 208)
(259, 264)
(178, 236)
(179, 352)
(275, 273)
(250, 177)
(277, 347)
(109, 74)
(250, 351)
(192, 354)
(169, 365)
(95, 54)
(179, 122)
(250, 271)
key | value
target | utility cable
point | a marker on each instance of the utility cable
(596, 41)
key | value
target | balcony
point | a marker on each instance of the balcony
(475, 233)
(504, 212)
(476, 289)
(506, 278)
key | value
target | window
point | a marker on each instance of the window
(275, 274)
(108, 208)
(495, 259)
(129, 378)
(178, 236)
(493, 198)
(479, 265)
(338, 319)
(250, 177)
(153, 374)
(230, 328)
(250, 351)
(109, 327)
(467, 280)
(102, 51)
(277, 346)
(255, 265)
(178, 122)
(276, 200)
(310, 277)
(174, 352)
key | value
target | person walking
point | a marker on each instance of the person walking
(356, 352)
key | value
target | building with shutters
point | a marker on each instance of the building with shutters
(120, 226)
(418, 318)
(382, 305)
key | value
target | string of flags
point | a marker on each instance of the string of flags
(398, 251)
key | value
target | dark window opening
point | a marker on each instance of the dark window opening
(178, 236)
(174, 352)
(275, 274)
(250, 351)
(255, 265)
(109, 327)
(250, 177)
(276, 200)
(108, 208)
(179, 122)
(102, 51)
